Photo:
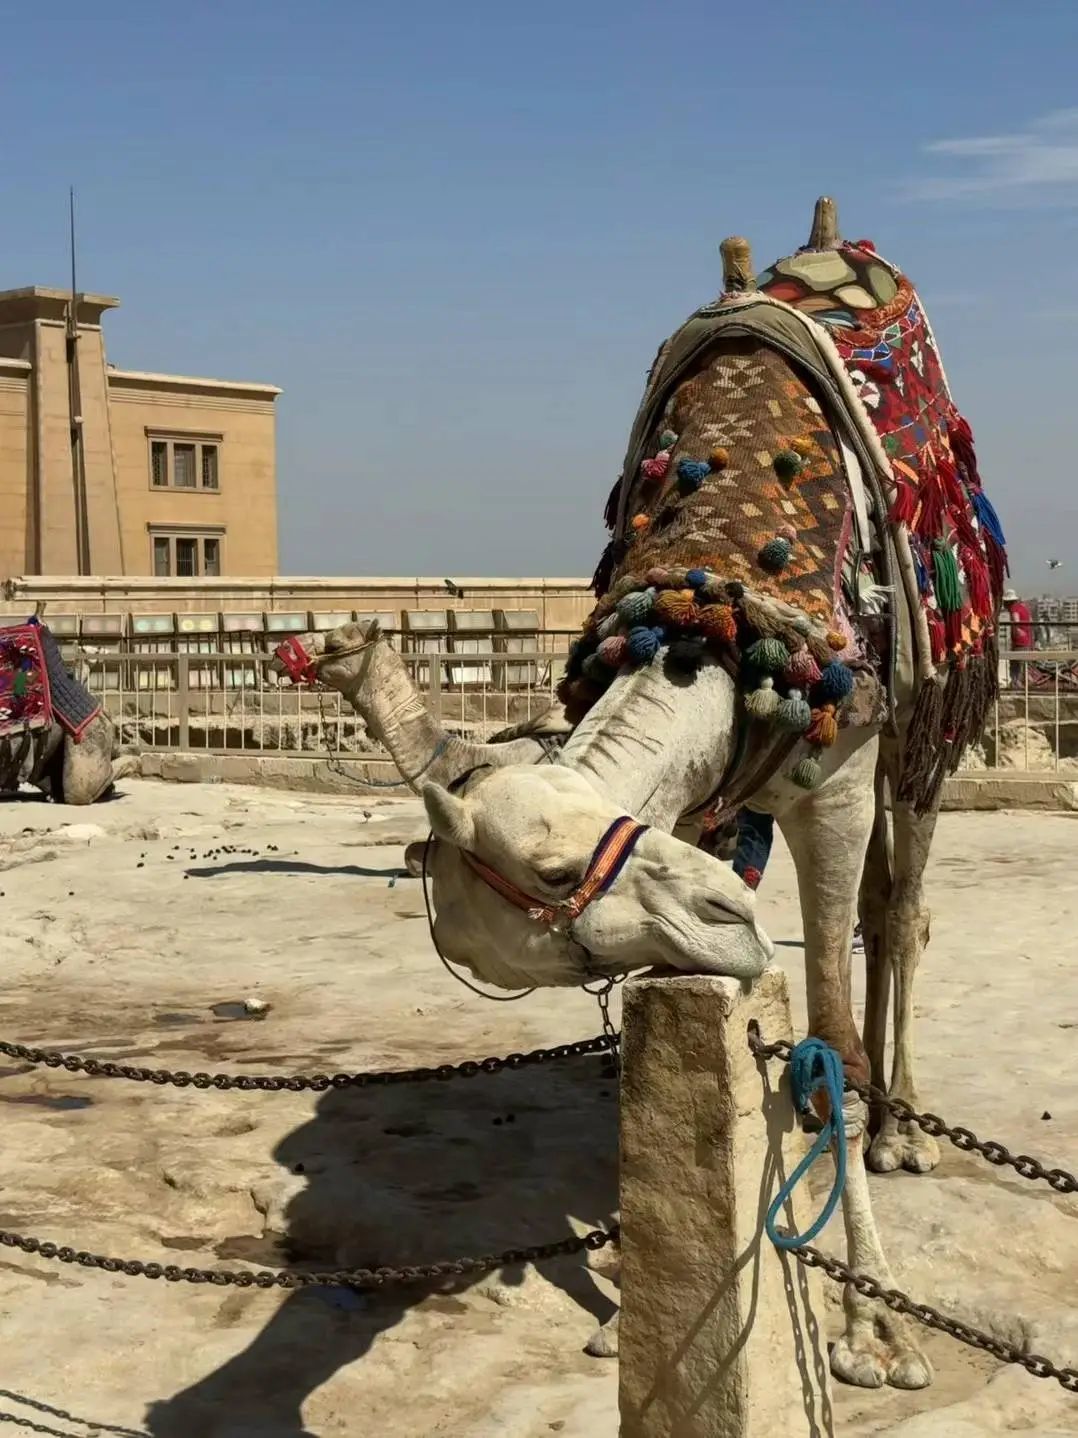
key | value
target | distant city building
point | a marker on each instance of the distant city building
(1053, 609)
(118, 472)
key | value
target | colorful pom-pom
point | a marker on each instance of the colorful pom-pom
(667, 439)
(794, 713)
(613, 651)
(761, 703)
(625, 585)
(641, 522)
(774, 556)
(716, 621)
(642, 644)
(836, 641)
(676, 607)
(751, 878)
(768, 655)
(657, 468)
(657, 577)
(735, 589)
(609, 626)
(787, 531)
(697, 578)
(787, 465)
(802, 625)
(633, 609)
(719, 458)
(691, 474)
(801, 670)
(801, 447)
(677, 576)
(686, 652)
(806, 774)
(834, 684)
(824, 730)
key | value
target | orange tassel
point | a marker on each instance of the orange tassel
(824, 728)
(716, 621)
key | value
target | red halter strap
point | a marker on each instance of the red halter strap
(299, 666)
(606, 864)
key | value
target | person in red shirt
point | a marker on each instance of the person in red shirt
(1018, 632)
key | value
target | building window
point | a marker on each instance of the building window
(182, 463)
(186, 556)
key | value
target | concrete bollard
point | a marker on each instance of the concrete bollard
(722, 1335)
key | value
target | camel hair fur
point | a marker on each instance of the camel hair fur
(657, 746)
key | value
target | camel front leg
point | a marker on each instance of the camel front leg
(828, 833)
(904, 1145)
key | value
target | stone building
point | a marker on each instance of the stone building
(106, 471)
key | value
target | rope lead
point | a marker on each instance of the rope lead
(814, 1065)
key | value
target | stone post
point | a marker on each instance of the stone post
(721, 1334)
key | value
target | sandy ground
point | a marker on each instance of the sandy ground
(118, 942)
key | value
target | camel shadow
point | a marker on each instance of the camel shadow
(401, 1175)
(292, 866)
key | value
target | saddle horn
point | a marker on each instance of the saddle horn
(737, 271)
(825, 235)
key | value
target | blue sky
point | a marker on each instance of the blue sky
(455, 234)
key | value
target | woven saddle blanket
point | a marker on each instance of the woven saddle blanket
(883, 336)
(36, 687)
(737, 528)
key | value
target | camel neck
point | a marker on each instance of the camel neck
(658, 745)
(385, 697)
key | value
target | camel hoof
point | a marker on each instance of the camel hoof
(871, 1361)
(603, 1343)
(905, 1147)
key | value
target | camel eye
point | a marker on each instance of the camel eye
(559, 877)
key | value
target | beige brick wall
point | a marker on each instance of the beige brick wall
(14, 467)
(245, 505)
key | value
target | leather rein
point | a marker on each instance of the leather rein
(611, 855)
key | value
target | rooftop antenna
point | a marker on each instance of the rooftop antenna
(78, 463)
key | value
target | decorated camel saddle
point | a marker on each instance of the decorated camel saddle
(800, 499)
(36, 689)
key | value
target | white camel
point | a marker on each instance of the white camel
(660, 744)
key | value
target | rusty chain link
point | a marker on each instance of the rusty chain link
(297, 1083)
(363, 1278)
(899, 1302)
(962, 1138)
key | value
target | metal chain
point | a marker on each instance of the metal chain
(316, 1083)
(899, 1302)
(384, 1276)
(962, 1138)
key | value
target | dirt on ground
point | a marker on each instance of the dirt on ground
(251, 931)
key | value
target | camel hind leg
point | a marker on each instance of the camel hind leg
(877, 882)
(904, 1145)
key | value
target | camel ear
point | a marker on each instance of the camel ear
(449, 816)
(344, 637)
(413, 858)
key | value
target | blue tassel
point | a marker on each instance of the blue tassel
(988, 519)
(834, 684)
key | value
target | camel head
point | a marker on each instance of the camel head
(350, 643)
(670, 906)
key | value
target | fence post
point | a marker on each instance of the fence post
(183, 700)
(434, 692)
(721, 1335)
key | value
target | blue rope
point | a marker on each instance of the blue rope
(814, 1065)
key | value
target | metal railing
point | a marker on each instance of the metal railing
(228, 703)
(1033, 727)
(215, 701)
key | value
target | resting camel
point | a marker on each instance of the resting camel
(796, 610)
